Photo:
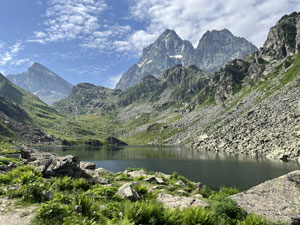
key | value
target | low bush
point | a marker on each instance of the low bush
(81, 183)
(150, 212)
(99, 192)
(196, 215)
(226, 211)
(64, 184)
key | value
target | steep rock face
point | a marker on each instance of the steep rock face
(167, 51)
(283, 38)
(215, 49)
(42, 82)
(87, 98)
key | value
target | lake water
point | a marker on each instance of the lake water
(210, 168)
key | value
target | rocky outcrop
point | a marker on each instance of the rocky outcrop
(87, 98)
(214, 50)
(283, 38)
(42, 82)
(114, 141)
(52, 165)
(180, 201)
(277, 199)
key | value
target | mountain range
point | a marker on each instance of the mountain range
(44, 83)
(214, 50)
(248, 106)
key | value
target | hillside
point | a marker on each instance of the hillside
(250, 105)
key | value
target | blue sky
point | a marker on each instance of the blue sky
(97, 40)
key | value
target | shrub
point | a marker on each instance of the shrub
(123, 177)
(51, 211)
(100, 192)
(64, 184)
(229, 191)
(193, 216)
(227, 211)
(33, 191)
(86, 204)
(254, 220)
(6, 161)
(22, 174)
(144, 212)
(81, 183)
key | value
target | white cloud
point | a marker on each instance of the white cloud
(70, 19)
(19, 62)
(10, 53)
(251, 19)
(113, 80)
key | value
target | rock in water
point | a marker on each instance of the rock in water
(277, 199)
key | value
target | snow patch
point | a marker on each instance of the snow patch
(176, 56)
(146, 61)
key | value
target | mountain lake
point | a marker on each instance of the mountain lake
(210, 168)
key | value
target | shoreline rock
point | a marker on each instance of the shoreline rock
(277, 199)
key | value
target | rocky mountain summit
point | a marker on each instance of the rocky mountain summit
(44, 83)
(214, 50)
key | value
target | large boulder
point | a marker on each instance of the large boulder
(52, 165)
(180, 201)
(277, 199)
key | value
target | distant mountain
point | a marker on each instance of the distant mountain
(19, 111)
(214, 50)
(42, 82)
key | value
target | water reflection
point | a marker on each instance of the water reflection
(213, 169)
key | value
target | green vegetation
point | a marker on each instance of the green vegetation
(75, 201)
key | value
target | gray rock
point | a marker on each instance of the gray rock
(52, 165)
(126, 191)
(78, 208)
(154, 179)
(87, 166)
(180, 201)
(47, 195)
(180, 183)
(138, 173)
(277, 199)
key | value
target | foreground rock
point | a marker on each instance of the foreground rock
(277, 199)
(127, 191)
(52, 165)
(179, 201)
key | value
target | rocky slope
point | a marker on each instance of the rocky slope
(42, 82)
(16, 114)
(87, 98)
(214, 50)
(249, 106)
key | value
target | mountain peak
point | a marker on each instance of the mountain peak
(168, 33)
(42, 82)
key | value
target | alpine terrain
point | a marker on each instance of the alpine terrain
(214, 50)
(42, 82)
